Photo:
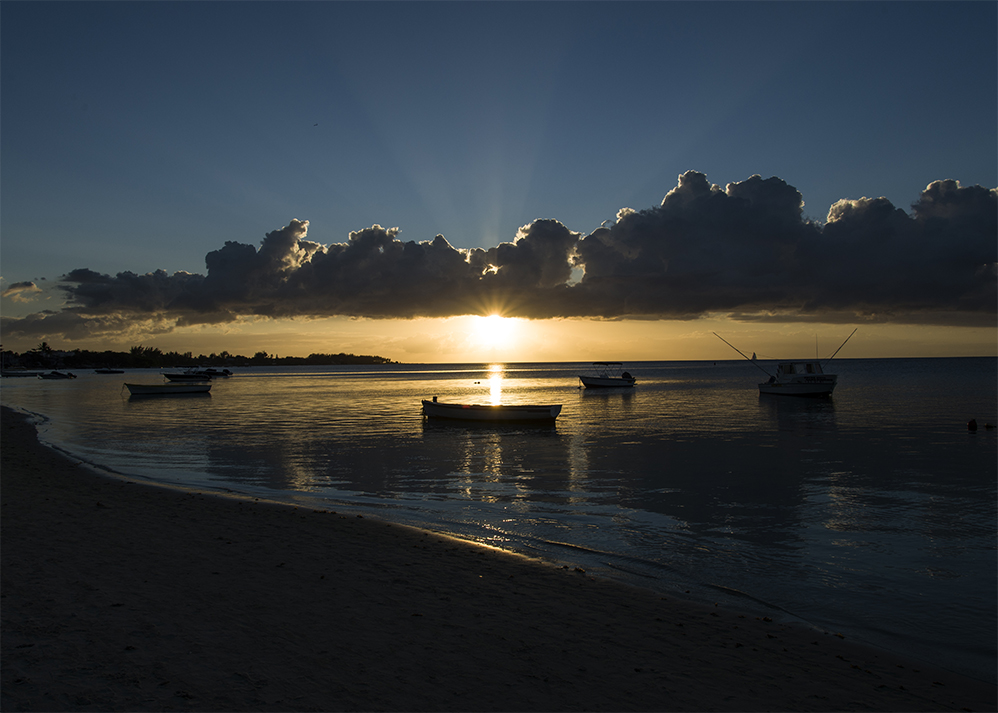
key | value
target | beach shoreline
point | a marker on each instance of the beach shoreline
(119, 595)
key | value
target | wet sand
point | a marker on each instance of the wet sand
(122, 596)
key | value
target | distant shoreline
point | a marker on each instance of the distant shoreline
(46, 357)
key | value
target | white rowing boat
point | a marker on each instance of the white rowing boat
(484, 412)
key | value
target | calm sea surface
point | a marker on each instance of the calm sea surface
(871, 514)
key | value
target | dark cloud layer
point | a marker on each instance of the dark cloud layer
(744, 250)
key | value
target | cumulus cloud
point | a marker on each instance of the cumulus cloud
(744, 250)
(882, 261)
(21, 291)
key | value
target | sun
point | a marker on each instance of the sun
(495, 331)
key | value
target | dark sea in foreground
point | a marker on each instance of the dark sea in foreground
(871, 513)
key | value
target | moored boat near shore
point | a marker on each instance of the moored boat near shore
(19, 371)
(802, 377)
(799, 378)
(188, 376)
(607, 374)
(485, 412)
(167, 389)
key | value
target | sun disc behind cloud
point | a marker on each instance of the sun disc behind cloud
(495, 331)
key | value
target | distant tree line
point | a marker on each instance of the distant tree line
(139, 357)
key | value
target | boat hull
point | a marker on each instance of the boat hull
(480, 412)
(167, 389)
(809, 386)
(187, 377)
(605, 382)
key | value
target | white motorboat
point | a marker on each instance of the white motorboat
(485, 412)
(607, 374)
(799, 378)
(167, 389)
(804, 377)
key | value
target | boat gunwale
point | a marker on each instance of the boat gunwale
(172, 387)
(499, 412)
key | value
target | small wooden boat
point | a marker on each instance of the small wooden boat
(167, 389)
(607, 374)
(485, 412)
(57, 375)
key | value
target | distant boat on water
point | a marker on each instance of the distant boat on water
(198, 374)
(799, 378)
(607, 374)
(188, 376)
(109, 371)
(804, 377)
(19, 371)
(57, 375)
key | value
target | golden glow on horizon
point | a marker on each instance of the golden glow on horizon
(458, 339)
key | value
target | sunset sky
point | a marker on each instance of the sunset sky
(619, 180)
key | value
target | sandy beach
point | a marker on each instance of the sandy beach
(123, 596)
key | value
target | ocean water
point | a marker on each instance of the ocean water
(871, 513)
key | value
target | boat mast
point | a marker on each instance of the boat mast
(752, 361)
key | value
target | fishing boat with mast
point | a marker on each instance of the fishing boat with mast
(804, 377)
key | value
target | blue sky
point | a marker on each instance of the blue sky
(142, 136)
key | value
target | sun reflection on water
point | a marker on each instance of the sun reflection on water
(496, 372)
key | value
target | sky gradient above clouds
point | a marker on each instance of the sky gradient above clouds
(172, 167)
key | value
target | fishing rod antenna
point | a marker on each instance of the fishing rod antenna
(751, 361)
(841, 345)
